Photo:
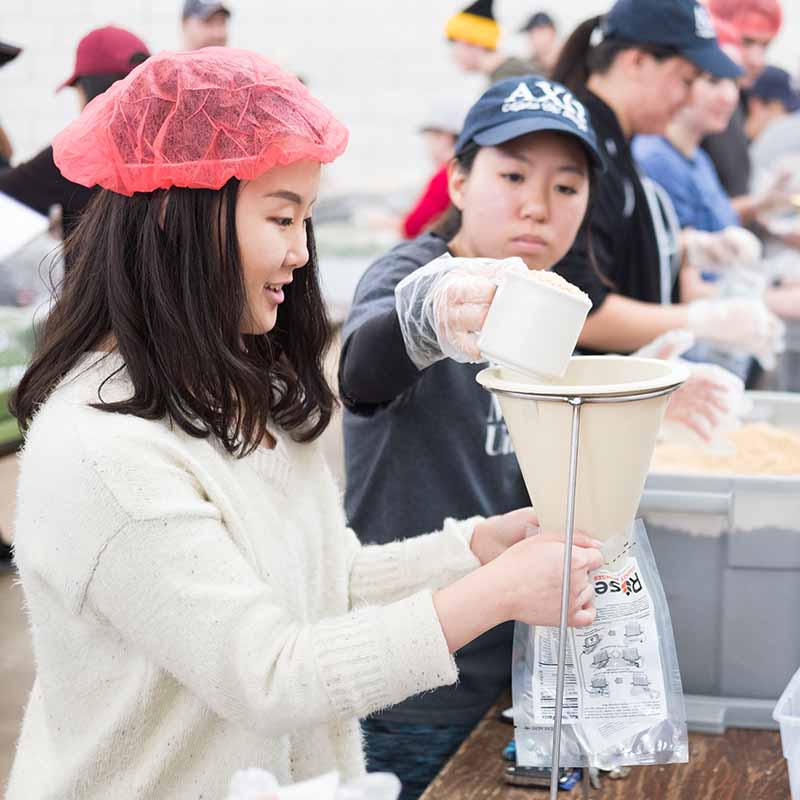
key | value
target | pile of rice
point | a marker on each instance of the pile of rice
(760, 449)
(555, 281)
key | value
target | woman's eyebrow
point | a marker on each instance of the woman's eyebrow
(285, 194)
(573, 168)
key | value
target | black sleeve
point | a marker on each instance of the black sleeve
(374, 367)
(583, 264)
(38, 184)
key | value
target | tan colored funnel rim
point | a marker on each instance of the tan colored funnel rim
(673, 375)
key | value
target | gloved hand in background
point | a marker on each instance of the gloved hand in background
(710, 403)
(739, 325)
(443, 305)
(731, 247)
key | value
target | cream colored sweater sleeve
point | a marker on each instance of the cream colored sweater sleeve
(180, 591)
(387, 572)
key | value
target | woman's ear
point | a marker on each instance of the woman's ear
(631, 62)
(456, 181)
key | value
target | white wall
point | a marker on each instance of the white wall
(378, 64)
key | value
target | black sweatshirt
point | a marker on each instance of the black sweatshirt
(38, 184)
(623, 235)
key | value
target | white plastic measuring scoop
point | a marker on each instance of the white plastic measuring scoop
(532, 325)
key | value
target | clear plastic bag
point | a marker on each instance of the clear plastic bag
(623, 705)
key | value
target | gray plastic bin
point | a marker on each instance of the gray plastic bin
(786, 377)
(728, 551)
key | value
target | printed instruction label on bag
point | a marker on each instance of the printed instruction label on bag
(618, 674)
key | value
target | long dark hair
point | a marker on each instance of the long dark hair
(161, 273)
(580, 58)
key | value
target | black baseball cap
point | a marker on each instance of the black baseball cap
(203, 9)
(684, 25)
(776, 84)
(517, 106)
(8, 52)
(541, 19)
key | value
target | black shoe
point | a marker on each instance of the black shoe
(6, 561)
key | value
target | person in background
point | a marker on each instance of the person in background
(439, 132)
(758, 23)
(634, 69)
(8, 52)
(474, 35)
(676, 161)
(204, 24)
(714, 243)
(545, 45)
(773, 124)
(103, 56)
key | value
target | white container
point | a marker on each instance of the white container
(787, 715)
(531, 326)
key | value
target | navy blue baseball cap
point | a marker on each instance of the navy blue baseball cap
(517, 106)
(541, 19)
(776, 84)
(683, 25)
(204, 9)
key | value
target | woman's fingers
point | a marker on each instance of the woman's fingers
(579, 539)
(466, 317)
(583, 617)
(466, 343)
(585, 596)
(586, 559)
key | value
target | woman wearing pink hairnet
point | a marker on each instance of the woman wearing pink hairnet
(196, 601)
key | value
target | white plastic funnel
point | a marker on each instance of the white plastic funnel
(616, 438)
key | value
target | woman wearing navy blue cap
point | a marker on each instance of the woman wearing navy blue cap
(634, 69)
(422, 439)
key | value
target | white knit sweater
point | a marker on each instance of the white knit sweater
(193, 614)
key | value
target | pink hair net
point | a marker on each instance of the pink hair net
(196, 119)
(759, 17)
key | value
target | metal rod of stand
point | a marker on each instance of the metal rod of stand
(576, 403)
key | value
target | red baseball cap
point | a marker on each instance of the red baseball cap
(106, 51)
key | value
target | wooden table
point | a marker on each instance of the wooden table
(741, 765)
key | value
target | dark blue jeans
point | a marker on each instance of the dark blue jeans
(415, 753)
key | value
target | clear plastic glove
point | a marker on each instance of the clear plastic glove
(710, 403)
(739, 325)
(443, 305)
(707, 407)
(733, 246)
(672, 344)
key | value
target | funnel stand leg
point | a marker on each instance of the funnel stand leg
(576, 403)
